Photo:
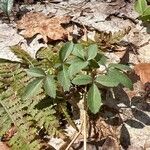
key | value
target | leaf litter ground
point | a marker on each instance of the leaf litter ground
(136, 127)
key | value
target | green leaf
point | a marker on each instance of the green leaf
(78, 51)
(93, 64)
(50, 86)
(73, 60)
(92, 51)
(82, 80)
(140, 6)
(57, 65)
(107, 80)
(101, 59)
(146, 12)
(9, 6)
(119, 66)
(65, 51)
(64, 80)
(121, 78)
(75, 68)
(22, 55)
(32, 88)
(113, 78)
(36, 72)
(6, 6)
(145, 18)
(94, 99)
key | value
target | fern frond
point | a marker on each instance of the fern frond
(5, 122)
(24, 114)
(64, 110)
(22, 55)
(48, 57)
(47, 119)
(13, 110)
(26, 129)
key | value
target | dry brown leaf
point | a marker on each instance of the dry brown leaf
(103, 130)
(3, 146)
(111, 144)
(38, 23)
(143, 71)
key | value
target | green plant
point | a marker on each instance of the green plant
(77, 67)
(6, 6)
(33, 115)
(33, 90)
(26, 117)
(143, 9)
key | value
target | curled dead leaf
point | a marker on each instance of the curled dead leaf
(143, 71)
(38, 23)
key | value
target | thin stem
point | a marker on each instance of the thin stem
(8, 17)
(85, 130)
(85, 120)
(76, 136)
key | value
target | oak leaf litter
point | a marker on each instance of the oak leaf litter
(143, 71)
(34, 23)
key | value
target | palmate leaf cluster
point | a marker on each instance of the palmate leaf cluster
(30, 115)
(77, 67)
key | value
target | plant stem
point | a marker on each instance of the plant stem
(85, 120)
(84, 128)
(8, 17)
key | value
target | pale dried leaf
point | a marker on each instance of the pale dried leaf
(8, 37)
(143, 71)
(49, 28)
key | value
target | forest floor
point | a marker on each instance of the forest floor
(107, 17)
